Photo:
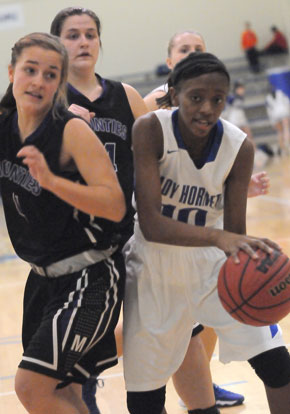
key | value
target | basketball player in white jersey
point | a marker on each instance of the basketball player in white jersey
(192, 175)
(179, 46)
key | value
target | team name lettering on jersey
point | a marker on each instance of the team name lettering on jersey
(19, 175)
(109, 125)
(189, 194)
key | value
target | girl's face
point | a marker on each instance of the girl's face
(183, 45)
(201, 101)
(36, 78)
(79, 34)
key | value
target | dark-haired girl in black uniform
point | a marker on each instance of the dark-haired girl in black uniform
(53, 187)
(111, 109)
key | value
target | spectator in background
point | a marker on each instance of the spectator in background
(235, 112)
(248, 43)
(278, 110)
(277, 45)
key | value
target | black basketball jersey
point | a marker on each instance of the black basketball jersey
(113, 124)
(43, 229)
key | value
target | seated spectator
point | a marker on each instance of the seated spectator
(277, 45)
(248, 44)
(234, 111)
(278, 110)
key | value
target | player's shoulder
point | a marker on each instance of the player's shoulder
(148, 120)
(231, 130)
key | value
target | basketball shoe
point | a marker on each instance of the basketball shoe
(89, 390)
(224, 398)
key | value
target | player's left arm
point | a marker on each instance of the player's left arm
(235, 203)
(236, 189)
(150, 99)
(136, 101)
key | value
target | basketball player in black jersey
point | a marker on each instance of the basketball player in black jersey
(60, 196)
(110, 108)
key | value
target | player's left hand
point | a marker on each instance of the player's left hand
(259, 184)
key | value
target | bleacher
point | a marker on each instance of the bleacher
(256, 90)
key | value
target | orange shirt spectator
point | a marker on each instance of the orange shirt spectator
(248, 44)
(248, 39)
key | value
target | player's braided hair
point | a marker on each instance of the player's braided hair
(194, 65)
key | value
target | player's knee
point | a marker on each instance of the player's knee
(146, 402)
(273, 367)
(24, 390)
(210, 410)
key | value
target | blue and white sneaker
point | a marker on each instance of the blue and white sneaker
(224, 398)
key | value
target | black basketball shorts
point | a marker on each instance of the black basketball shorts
(69, 321)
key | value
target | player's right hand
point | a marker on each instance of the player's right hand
(82, 112)
(231, 243)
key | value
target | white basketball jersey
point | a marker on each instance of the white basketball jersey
(161, 88)
(195, 194)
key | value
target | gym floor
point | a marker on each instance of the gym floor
(268, 216)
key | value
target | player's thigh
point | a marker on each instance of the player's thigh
(237, 341)
(157, 318)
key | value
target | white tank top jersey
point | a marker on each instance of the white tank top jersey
(190, 193)
(277, 107)
(161, 88)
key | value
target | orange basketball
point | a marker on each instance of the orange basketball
(256, 292)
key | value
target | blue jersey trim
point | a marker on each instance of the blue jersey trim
(274, 330)
(35, 134)
(77, 92)
(214, 142)
(176, 130)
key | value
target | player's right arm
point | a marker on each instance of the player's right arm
(102, 196)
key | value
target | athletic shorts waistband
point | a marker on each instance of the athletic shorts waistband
(73, 263)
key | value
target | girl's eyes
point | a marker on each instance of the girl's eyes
(184, 50)
(74, 36)
(195, 98)
(50, 75)
(219, 100)
(29, 70)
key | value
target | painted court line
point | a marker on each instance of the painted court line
(7, 257)
(6, 394)
(11, 342)
(277, 200)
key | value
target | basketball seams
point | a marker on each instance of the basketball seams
(231, 293)
(261, 287)
(225, 284)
